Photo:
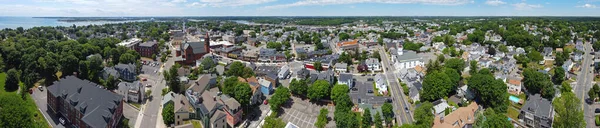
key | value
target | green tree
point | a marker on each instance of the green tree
(436, 85)
(344, 36)
(495, 120)
(473, 68)
(388, 112)
(280, 96)
(273, 122)
(318, 66)
(366, 119)
(322, 118)
(535, 56)
(127, 58)
(243, 93)
(319, 90)
(378, 122)
(593, 92)
(568, 112)
(208, 63)
(237, 68)
(490, 91)
(537, 82)
(12, 80)
(111, 82)
(69, 64)
(424, 115)
(455, 63)
(13, 113)
(229, 85)
(298, 87)
(172, 79)
(338, 91)
(168, 114)
(503, 48)
(559, 75)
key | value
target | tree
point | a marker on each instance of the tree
(344, 36)
(318, 66)
(243, 93)
(111, 82)
(473, 67)
(12, 80)
(298, 87)
(535, 56)
(388, 112)
(319, 90)
(494, 120)
(229, 85)
(208, 63)
(424, 115)
(537, 82)
(127, 58)
(322, 118)
(345, 119)
(569, 112)
(565, 87)
(376, 55)
(436, 85)
(273, 122)
(593, 92)
(453, 75)
(503, 48)
(559, 75)
(171, 79)
(378, 122)
(237, 68)
(455, 63)
(168, 114)
(490, 91)
(338, 91)
(69, 64)
(366, 119)
(14, 112)
(281, 95)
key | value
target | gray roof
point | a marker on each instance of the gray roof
(408, 56)
(538, 106)
(96, 104)
(216, 119)
(372, 61)
(130, 67)
(345, 77)
(341, 65)
(111, 71)
(148, 44)
(197, 47)
(168, 97)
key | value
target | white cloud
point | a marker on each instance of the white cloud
(587, 6)
(178, 1)
(196, 4)
(495, 2)
(233, 3)
(525, 6)
(333, 2)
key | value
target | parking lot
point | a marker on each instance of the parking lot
(304, 114)
(361, 93)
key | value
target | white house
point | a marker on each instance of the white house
(131, 92)
(341, 67)
(380, 84)
(514, 86)
(346, 79)
(408, 59)
(283, 72)
(373, 64)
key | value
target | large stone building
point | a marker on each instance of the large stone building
(84, 104)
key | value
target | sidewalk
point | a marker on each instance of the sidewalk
(159, 119)
(138, 121)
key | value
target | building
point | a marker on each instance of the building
(373, 64)
(182, 109)
(189, 52)
(341, 67)
(283, 72)
(346, 79)
(514, 86)
(213, 108)
(380, 84)
(127, 72)
(265, 86)
(347, 46)
(132, 43)
(132, 92)
(405, 60)
(148, 49)
(84, 104)
(177, 37)
(537, 112)
(463, 117)
(439, 106)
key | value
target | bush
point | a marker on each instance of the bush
(597, 120)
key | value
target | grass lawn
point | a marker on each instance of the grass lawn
(196, 124)
(38, 118)
(513, 113)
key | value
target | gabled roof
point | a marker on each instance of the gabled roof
(538, 106)
(130, 67)
(197, 47)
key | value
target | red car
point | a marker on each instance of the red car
(265, 102)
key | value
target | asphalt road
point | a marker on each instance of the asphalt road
(584, 83)
(399, 100)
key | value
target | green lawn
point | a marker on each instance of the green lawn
(39, 119)
(513, 113)
(196, 124)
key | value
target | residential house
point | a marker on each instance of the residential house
(341, 67)
(373, 64)
(266, 86)
(84, 104)
(514, 86)
(439, 106)
(132, 92)
(380, 84)
(577, 56)
(213, 108)
(148, 49)
(182, 109)
(547, 53)
(537, 112)
(465, 92)
(346, 79)
(567, 65)
(463, 117)
(283, 72)
(347, 46)
(127, 72)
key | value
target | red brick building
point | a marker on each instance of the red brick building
(82, 104)
(189, 52)
(147, 49)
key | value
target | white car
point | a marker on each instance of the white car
(148, 85)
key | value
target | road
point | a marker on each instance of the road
(584, 83)
(399, 99)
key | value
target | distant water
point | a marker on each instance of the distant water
(30, 22)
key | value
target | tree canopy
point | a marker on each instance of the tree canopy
(281, 95)
(491, 91)
(13, 114)
(424, 115)
(319, 90)
(569, 112)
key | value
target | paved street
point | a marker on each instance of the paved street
(584, 83)
(40, 100)
(399, 100)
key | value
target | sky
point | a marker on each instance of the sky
(122, 8)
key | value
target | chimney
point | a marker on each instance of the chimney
(207, 43)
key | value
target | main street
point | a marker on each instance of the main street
(399, 100)
(584, 83)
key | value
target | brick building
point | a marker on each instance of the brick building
(147, 49)
(189, 52)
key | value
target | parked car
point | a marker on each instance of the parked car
(406, 109)
(266, 102)
(148, 85)
(597, 110)
(389, 100)
(369, 91)
(370, 79)
(40, 88)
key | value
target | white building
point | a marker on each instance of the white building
(380, 84)
(373, 64)
(131, 92)
(283, 72)
(406, 59)
(341, 67)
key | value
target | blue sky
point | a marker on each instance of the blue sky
(119, 8)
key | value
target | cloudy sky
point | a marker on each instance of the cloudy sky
(299, 8)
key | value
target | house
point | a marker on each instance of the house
(465, 92)
(147, 49)
(463, 117)
(514, 86)
(177, 37)
(414, 90)
(191, 51)
(380, 84)
(373, 64)
(131, 92)
(547, 52)
(257, 95)
(84, 104)
(266, 86)
(346, 79)
(408, 59)
(301, 74)
(168, 98)
(579, 45)
(182, 109)
(567, 65)
(341, 67)
(347, 46)
(110, 71)
(439, 106)
(577, 56)
(213, 108)
(127, 72)
(537, 112)
(283, 72)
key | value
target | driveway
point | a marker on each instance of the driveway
(40, 100)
